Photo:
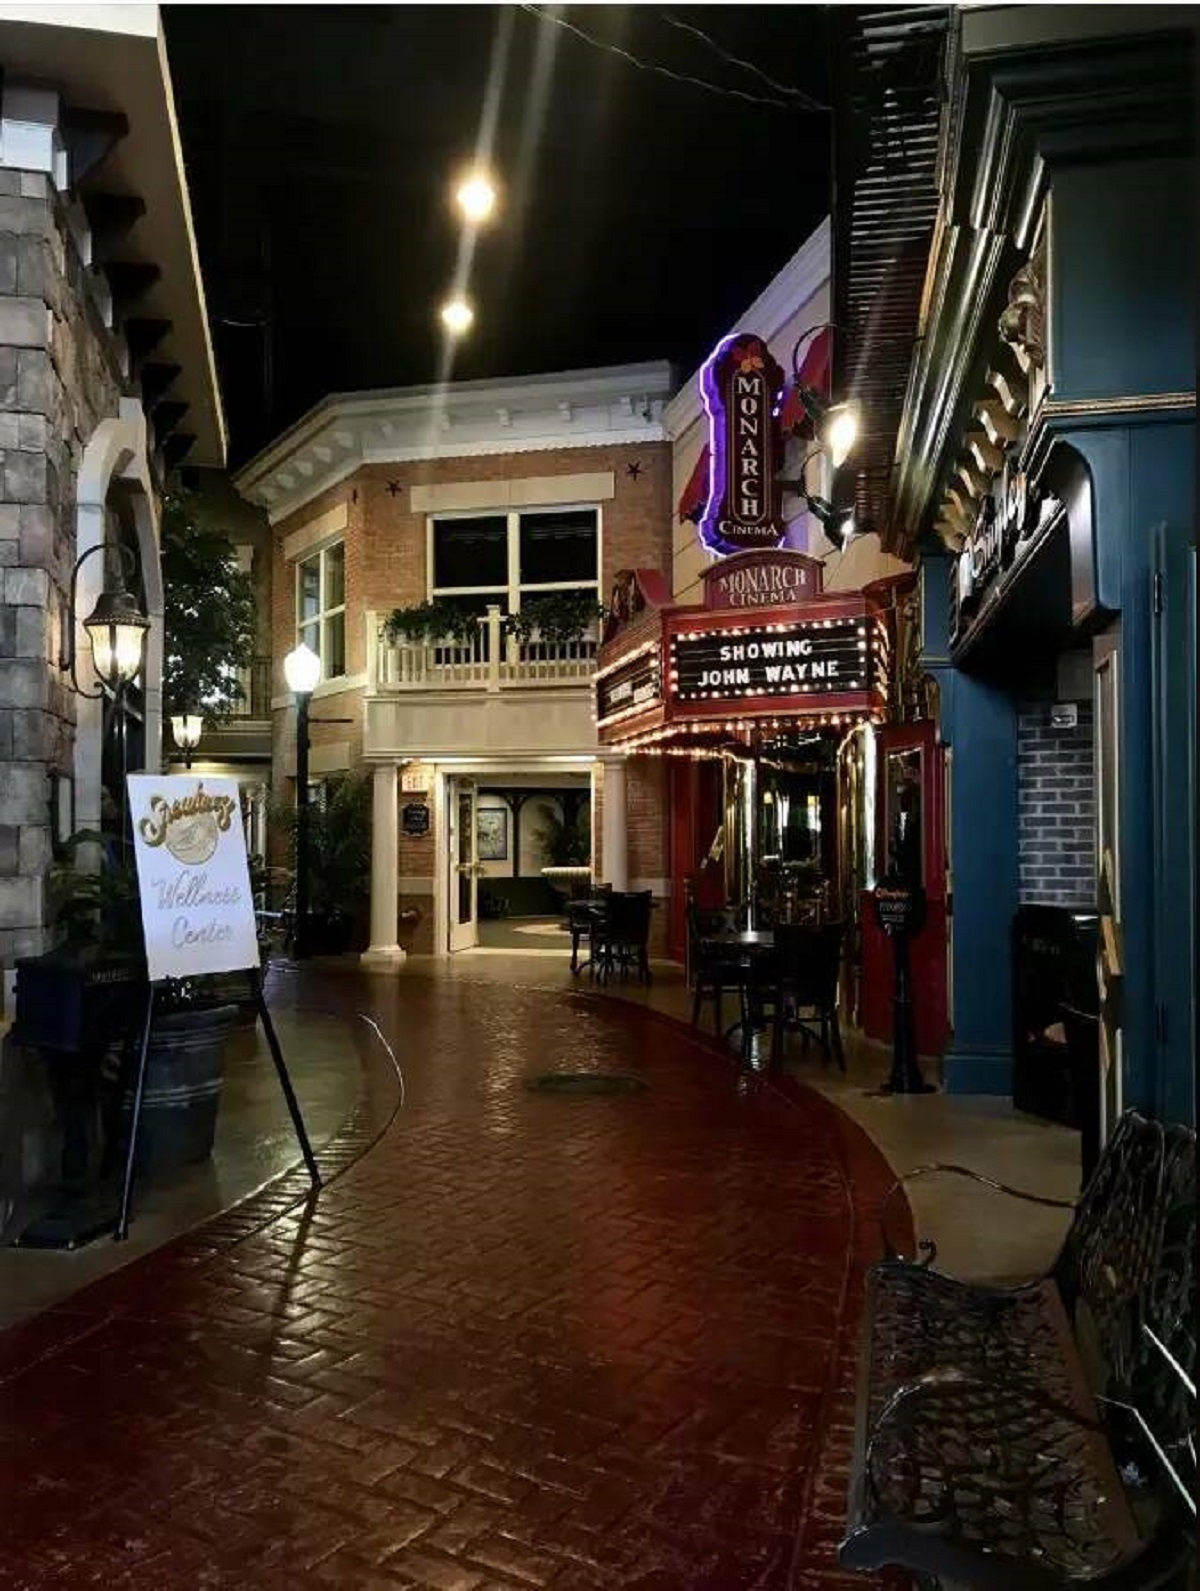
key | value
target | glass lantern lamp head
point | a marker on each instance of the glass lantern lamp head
(839, 431)
(187, 729)
(302, 670)
(117, 629)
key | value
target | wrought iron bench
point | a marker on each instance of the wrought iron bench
(1043, 1436)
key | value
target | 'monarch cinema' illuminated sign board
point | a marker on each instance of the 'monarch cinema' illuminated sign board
(742, 389)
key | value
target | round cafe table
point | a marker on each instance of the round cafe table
(746, 941)
(748, 944)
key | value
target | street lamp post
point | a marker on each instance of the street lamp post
(302, 670)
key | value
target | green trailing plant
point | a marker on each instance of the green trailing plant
(208, 611)
(339, 845)
(558, 617)
(432, 621)
(565, 844)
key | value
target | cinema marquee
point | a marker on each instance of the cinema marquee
(681, 676)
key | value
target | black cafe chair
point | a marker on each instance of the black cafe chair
(715, 969)
(798, 987)
(621, 936)
(581, 919)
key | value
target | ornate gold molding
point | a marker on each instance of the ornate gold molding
(1023, 323)
(1141, 403)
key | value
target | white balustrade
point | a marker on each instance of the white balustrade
(489, 660)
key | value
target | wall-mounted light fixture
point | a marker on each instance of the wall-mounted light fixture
(836, 424)
(187, 729)
(117, 629)
(837, 427)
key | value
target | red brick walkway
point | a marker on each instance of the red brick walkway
(525, 1341)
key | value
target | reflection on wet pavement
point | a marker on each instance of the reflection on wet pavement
(522, 1340)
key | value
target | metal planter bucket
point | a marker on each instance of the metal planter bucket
(184, 1070)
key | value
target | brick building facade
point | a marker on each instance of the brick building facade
(367, 480)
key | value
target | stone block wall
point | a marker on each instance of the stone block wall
(58, 379)
(1057, 808)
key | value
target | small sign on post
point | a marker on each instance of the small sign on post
(193, 874)
(900, 912)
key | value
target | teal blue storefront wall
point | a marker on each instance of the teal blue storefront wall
(1101, 128)
(978, 722)
(1143, 488)
(1122, 278)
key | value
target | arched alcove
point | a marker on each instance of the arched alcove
(116, 497)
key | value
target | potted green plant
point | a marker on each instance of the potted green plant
(339, 863)
(557, 618)
(426, 622)
(566, 843)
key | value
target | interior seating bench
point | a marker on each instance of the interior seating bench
(1042, 1436)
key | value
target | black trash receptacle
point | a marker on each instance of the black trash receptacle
(1056, 1069)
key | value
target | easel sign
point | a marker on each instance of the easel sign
(193, 874)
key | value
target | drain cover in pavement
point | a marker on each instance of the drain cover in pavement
(586, 1083)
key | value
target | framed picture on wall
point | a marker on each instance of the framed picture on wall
(491, 832)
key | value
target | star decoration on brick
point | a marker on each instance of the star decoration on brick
(633, 470)
(393, 488)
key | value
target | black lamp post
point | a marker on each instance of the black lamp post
(302, 670)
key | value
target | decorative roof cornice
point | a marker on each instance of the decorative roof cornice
(610, 406)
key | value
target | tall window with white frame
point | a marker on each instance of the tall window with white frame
(514, 560)
(321, 607)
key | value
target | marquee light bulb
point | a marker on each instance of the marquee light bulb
(457, 315)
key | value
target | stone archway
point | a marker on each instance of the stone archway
(117, 454)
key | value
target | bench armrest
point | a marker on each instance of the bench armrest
(926, 1246)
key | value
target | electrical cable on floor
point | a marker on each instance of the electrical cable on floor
(391, 1054)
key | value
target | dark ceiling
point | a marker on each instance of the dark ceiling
(641, 215)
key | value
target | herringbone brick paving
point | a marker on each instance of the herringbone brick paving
(523, 1341)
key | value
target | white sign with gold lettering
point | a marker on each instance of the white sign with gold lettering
(193, 877)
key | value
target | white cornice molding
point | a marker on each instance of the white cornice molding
(616, 405)
(804, 275)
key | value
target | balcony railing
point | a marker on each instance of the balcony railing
(489, 660)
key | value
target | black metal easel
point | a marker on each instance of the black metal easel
(254, 978)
